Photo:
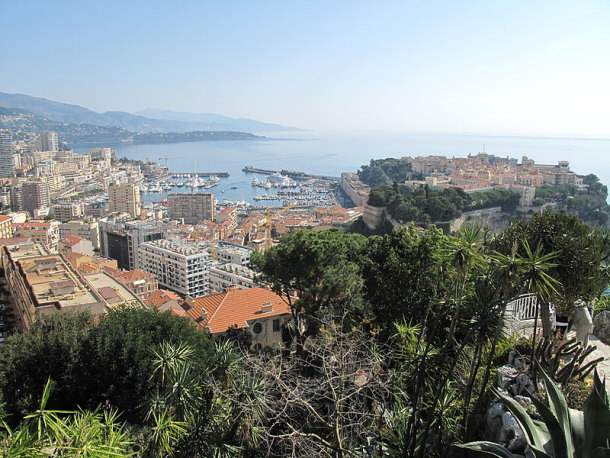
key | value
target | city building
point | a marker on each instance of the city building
(228, 217)
(102, 156)
(225, 253)
(141, 283)
(86, 230)
(46, 234)
(90, 264)
(6, 227)
(124, 198)
(191, 208)
(177, 266)
(73, 244)
(163, 300)
(6, 155)
(120, 239)
(42, 283)
(357, 191)
(67, 211)
(34, 195)
(262, 312)
(526, 194)
(225, 276)
(48, 141)
(111, 291)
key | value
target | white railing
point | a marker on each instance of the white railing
(521, 313)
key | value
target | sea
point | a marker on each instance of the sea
(331, 153)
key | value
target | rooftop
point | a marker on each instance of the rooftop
(235, 307)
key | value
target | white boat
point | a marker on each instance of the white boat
(195, 182)
(276, 177)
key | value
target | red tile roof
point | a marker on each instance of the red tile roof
(235, 307)
(5, 218)
(160, 297)
(71, 240)
(127, 276)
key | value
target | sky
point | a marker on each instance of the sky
(491, 66)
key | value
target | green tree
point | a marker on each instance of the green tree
(50, 349)
(315, 272)
(578, 266)
(118, 357)
(401, 274)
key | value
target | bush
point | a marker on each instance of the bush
(576, 393)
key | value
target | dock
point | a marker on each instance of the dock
(201, 174)
(289, 173)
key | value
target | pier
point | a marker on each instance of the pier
(200, 174)
(289, 173)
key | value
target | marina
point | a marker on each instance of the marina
(275, 189)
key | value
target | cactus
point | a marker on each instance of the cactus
(577, 368)
(564, 432)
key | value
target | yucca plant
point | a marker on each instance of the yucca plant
(564, 432)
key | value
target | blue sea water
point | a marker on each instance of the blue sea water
(330, 153)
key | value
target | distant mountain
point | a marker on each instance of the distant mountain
(211, 121)
(23, 124)
(55, 111)
(158, 121)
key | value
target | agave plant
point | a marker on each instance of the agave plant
(564, 432)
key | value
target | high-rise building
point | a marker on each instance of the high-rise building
(34, 195)
(124, 198)
(191, 207)
(179, 267)
(48, 141)
(67, 211)
(120, 239)
(7, 150)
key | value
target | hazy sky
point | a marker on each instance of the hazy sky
(490, 66)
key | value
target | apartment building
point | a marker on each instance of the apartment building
(46, 234)
(141, 283)
(120, 239)
(7, 150)
(357, 191)
(124, 198)
(177, 266)
(6, 227)
(86, 230)
(225, 253)
(68, 211)
(42, 283)
(34, 195)
(191, 207)
(225, 276)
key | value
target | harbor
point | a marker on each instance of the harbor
(237, 190)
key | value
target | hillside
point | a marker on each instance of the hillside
(147, 121)
(23, 124)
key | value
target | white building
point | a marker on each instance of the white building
(230, 275)
(226, 253)
(177, 266)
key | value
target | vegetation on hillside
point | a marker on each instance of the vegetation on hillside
(393, 351)
(423, 205)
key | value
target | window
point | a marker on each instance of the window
(257, 328)
(276, 325)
